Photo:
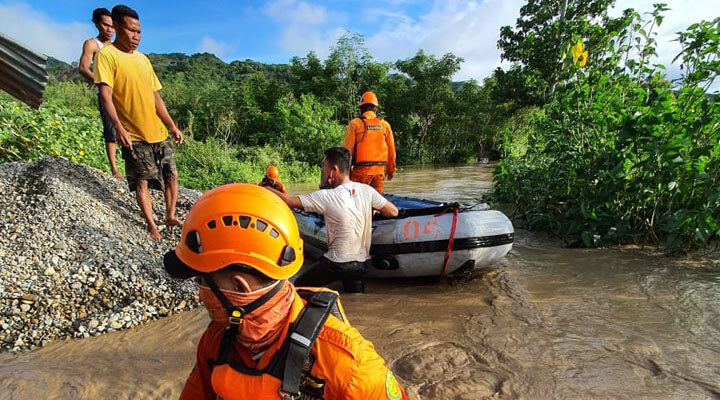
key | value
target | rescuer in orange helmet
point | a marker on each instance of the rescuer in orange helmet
(272, 179)
(267, 339)
(372, 146)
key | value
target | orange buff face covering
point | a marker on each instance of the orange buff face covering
(261, 327)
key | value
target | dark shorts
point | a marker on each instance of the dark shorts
(151, 162)
(324, 271)
(108, 127)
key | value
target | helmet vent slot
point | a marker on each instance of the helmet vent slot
(274, 233)
(261, 225)
(244, 221)
(227, 220)
(212, 224)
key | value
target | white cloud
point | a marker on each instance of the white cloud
(210, 45)
(682, 14)
(469, 29)
(38, 31)
(305, 27)
(298, 12)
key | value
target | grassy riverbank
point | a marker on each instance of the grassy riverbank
(75, 133)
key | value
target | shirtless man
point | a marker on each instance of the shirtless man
(103, 22)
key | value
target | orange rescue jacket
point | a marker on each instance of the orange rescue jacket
(371, 142)
(342, 365)
(277, 186)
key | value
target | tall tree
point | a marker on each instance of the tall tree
(472, 121)
(348, 71)
(540, 38)
(430, 90)
(355, 71)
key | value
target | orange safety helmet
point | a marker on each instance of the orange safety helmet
(369, 98)
(238, 223)
(272, 172)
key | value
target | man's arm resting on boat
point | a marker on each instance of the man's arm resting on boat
(389, 210)
(291, 201)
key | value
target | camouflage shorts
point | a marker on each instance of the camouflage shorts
(151, 162)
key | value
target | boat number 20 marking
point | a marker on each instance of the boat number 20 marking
(412, 231)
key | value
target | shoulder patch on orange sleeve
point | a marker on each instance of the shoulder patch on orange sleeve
(343, 336)
(392, 389)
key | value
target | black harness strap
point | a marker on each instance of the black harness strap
(226, 345)
(302, 338)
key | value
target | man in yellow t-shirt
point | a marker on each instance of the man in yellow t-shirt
(129, 92)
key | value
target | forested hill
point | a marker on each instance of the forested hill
(200, 64)
(208, 66)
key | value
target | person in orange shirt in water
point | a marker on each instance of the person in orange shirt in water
(372, 146)
(267, 338)
(272, 179)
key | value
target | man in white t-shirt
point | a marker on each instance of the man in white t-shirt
(348, 207)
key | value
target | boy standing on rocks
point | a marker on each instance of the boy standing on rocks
(103, 22)
(129, 92)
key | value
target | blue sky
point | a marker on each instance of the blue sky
(275, 30)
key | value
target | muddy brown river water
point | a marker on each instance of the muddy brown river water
(546, 323)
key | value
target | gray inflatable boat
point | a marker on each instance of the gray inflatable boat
(427, 238)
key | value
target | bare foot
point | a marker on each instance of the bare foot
(174, 221)
(117, 175)
(154, 233)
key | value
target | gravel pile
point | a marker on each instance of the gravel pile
(76, 259)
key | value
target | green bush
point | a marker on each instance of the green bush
(619, 155)
(206, 164)
(27, 134)
(72, 95)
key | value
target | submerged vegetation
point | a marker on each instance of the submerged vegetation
(597, 146)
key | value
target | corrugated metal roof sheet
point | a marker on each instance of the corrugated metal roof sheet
(23, 72)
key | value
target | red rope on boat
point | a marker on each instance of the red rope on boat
(451, 240)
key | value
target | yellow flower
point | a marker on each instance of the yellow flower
(577, 52)
(82, 153)
(583, 58)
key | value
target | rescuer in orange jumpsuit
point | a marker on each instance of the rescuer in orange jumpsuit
(272, 179)
(267, 338)
(372, 146)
